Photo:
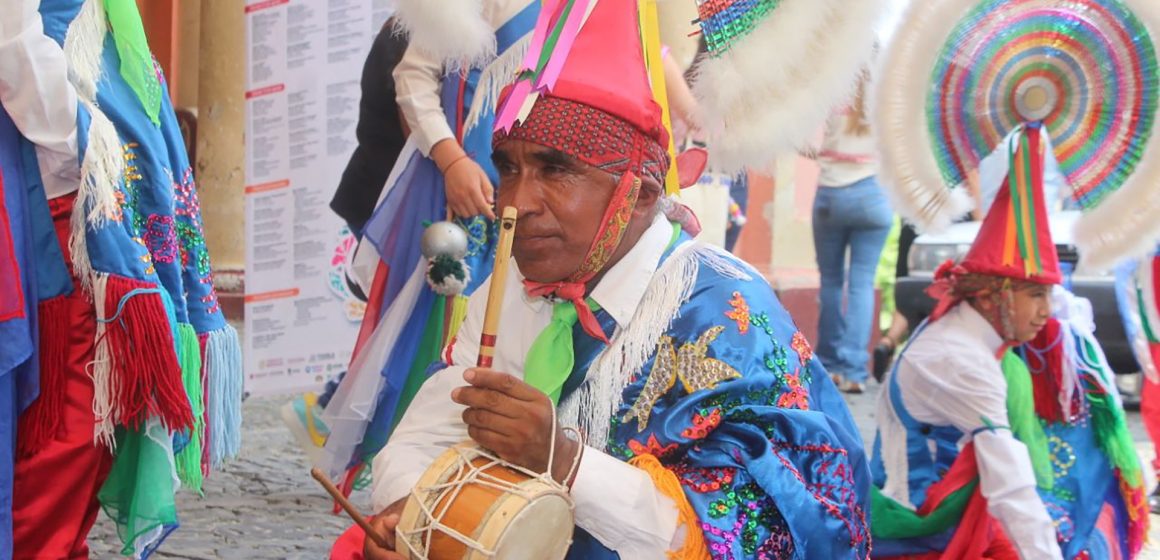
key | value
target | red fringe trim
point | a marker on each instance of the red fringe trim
(43, 421)
(144, 356)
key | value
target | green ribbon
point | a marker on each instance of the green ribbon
(137, 67)
(552, 356)
(1021, 415)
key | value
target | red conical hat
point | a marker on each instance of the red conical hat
(1015, 238)
(585, 89)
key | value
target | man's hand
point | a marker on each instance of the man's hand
(385, 523)
(514, 420)
(469, 191)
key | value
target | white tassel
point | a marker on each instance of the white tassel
(493, 79)
(592, 406)
(103, 166)
(455, 32)
(101, 370)
(96, 202)
(909, 170)
(84, 45)
(769, 93)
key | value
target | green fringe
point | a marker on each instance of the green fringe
(189, 356)
(1024, 423)
(1111, 430)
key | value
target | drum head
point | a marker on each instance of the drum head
(542, 530)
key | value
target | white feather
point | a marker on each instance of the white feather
(769, 93)
(453, 31)
(908, 167)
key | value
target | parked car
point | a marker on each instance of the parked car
(931, 250)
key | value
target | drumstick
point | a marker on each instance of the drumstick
(349, 507)
(503, 255)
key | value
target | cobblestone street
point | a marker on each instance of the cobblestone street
(265, 505)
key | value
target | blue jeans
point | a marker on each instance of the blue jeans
(855, 218)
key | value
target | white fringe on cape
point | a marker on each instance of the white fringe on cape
(494, 78)
(101, 370)
(103, 165)
(772, 90)
(452, 31)
(591, 407)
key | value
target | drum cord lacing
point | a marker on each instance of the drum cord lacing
(468, 473)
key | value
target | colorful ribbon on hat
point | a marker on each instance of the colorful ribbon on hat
(547, 52)
(1025, 180)
(651, 35)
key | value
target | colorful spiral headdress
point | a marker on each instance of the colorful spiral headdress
(960, 75)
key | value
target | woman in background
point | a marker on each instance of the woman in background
(851, 217)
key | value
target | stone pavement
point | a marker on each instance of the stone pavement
(265, 505)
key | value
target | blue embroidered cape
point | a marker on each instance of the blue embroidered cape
(734, 403)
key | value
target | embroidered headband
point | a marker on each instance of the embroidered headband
(592, 136)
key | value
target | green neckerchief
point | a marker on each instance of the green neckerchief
(552, 356)
(137, 66)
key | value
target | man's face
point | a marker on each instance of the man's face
(561, 203)
(1030, 310)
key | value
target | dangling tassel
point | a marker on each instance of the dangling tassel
(1025, 181)
(189, 356)
(43, 421)
(650, 32)
(223, 365)
(458, 314)
(667, 482)
(135, 342)
(545, 59)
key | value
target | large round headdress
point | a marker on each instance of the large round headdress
(960, 75)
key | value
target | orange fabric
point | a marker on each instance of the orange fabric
(54, 502)
(695, 547)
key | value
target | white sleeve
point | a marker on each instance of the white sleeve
(35, 90)
(418, 80)
(432, 424)
(971, 397)
(619, 505)
(1007, 481)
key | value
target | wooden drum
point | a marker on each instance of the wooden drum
(472, 505)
